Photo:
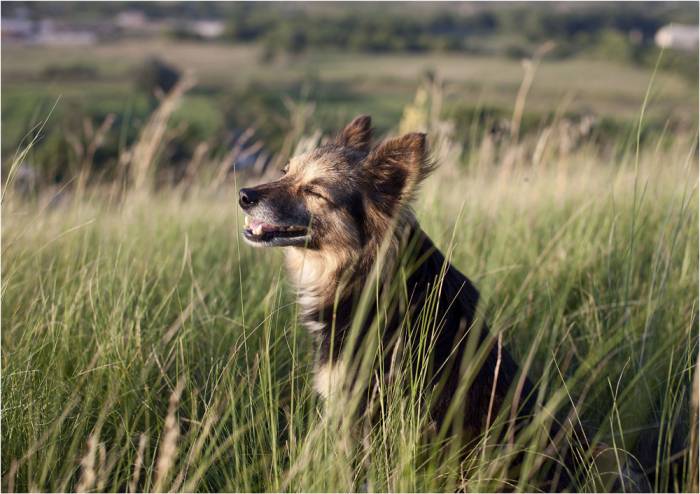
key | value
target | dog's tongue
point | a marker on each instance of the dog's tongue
(258, 227)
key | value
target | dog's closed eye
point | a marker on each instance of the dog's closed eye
(314, 192)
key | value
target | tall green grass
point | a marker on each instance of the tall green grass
(146, 348)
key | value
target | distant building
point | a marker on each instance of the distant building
(17, 29)
(678, 37)
(137, 23)
(207, 29)
(51, 34)
(128, 23)
(131, 19)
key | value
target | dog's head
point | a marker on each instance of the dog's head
(338, 196)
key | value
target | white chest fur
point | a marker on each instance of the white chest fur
(309, 269)
(329, 379)
(313, 276)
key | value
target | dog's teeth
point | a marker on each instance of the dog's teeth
(257, 230)
(246, 221)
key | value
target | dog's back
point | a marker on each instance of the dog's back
(459, 341)
(434, 289)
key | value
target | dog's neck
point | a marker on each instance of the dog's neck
(322, 278)
(314, 274)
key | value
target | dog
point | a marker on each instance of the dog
(338, 212)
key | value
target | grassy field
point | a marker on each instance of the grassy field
(146, 348)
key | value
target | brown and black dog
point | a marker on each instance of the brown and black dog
(336, 211)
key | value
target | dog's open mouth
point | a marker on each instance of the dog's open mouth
(257, 231)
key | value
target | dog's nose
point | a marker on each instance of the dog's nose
(248, 198)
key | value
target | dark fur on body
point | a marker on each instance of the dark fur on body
(458, 300)
(335, 210)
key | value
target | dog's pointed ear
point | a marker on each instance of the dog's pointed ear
(357, 134)
(398, 166)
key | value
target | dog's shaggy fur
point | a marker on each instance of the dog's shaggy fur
(339, 211)
(341, 199)
(342, 214)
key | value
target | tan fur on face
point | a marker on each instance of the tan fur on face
(342, 249)
(314, 273)
(310, 166)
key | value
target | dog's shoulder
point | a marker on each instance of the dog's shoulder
(432, 270)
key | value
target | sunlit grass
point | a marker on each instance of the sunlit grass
(144, 347)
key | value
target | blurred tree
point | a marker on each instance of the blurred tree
(156, 77)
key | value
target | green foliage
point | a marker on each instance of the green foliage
(105, 310)
(293, 28)
(79, 71)
(340, 56)
(586, 256)
(155, 75)
(685, 64)
(579, 29)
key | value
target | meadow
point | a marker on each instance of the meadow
(235, 87)
(145, 347)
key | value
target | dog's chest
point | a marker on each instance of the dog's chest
(316, 328)
(308, 271)
(329, 378)
(313, 277)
